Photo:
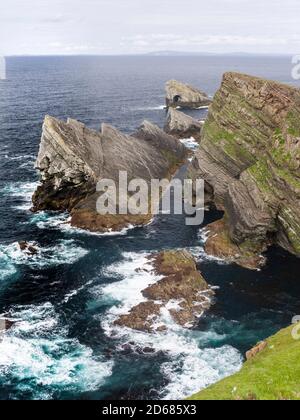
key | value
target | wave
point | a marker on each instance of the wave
(190, 143)
(37, 355)
(191, 367)
(64, 252)
(61, 221)
(22, 191)
(151, 108)
(199, 252)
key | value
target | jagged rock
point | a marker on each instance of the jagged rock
(72, 159)
(256, 350)
(185, 96)
(6, 324)
(220, 245)
(27, 248)
(182, 126)
(181, 284)
(250, 159)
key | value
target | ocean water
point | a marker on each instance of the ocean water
(66, 298)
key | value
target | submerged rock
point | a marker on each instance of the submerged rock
(182, 126)
(6, 324)
(179, 94)
(72, 159)
(28, 248)
(250, 160)
(182, 291)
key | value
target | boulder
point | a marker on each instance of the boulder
(181, 95)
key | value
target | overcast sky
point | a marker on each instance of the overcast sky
(138, 26)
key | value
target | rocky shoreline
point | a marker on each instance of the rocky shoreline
(182, 292)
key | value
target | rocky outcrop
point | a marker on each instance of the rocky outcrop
(250, 160)
(5, 325)
(185, 96)
(182, 291)
(28, 248)
(182, 126)
(256, 350)
(73, 158)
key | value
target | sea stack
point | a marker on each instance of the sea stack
(250, 160)
(181, 95)
(73, 158)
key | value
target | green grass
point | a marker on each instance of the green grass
(274, 374)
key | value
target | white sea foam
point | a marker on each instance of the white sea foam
(151, 108)
(64, 252)
(199, 252)
(190, 143)
(61, 221)
(23, 191)
(38, 350)
(191, 367)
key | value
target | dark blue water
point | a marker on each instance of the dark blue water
(66, 298)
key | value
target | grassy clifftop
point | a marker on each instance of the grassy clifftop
(273, 374)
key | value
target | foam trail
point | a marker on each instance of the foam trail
(190, 143)
(61, 221)
(64, 252)
(190, 367)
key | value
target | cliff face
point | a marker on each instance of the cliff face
(73, 158)
(250, 160)
(179, 94)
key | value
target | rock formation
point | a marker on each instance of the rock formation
(181, 284)
(182, 126)
(6, 324)
(28, 248)
(185, 96)
(250, 160)
(73, 158)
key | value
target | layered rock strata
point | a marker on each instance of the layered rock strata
(73, 158)
(181, 95)
(183, 126)
(250, 159)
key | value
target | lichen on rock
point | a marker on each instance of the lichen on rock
(250, 158)
(182, 291)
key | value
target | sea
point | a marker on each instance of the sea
(65, 299)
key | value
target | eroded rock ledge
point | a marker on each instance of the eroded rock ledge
(73, 158)
(250, 159)
(182, 292)
(181, 95)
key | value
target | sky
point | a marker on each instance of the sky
(46, 27)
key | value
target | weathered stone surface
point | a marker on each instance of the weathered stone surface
(182, 126)
(250, 159)
(182, 291)
(73, 158)
(28, 248)
(256, 350)
(221, 246)
(185, 96)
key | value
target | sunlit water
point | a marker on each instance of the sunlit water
(67, 297)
